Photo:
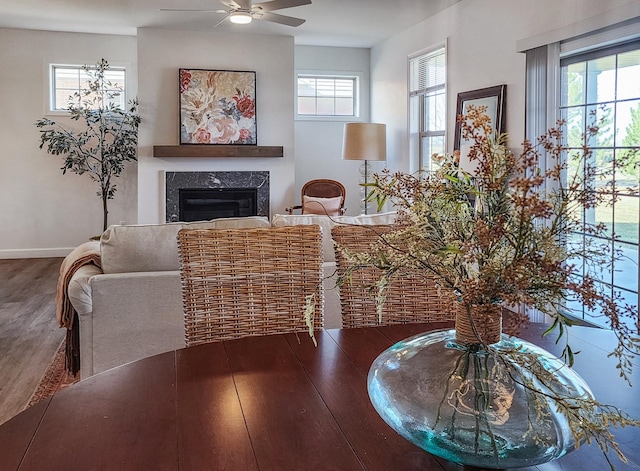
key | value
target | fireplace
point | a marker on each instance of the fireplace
(195, 196)
(210, 203)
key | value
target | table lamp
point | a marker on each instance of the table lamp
(364, 141)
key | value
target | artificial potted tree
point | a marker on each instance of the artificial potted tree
(108, 140)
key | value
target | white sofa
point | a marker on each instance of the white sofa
(132, 307)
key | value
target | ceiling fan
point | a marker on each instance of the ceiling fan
(243, 11)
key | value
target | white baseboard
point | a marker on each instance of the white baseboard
(35, 253)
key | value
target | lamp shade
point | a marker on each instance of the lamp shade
(364, 141)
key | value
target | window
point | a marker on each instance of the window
(323, 95)
(67, 80)
(427, 107)
(605, 84)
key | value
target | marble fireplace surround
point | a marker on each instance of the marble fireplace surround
(174, 181)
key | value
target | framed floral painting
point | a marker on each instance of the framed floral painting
(217, 107)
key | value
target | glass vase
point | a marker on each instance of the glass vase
(479, 404)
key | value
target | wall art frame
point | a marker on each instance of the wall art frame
(217, 107)
(494, 98)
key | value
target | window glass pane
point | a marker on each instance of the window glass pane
(626, 268)
(574, 80)
(601, 115)
(431, 145)
(306, 87)
(427, 71)
(626, 222)
(306, 105)
(62, 98)
(595, 314)
(344, 106)
(325, 87)
(575, 126)
(85, 79)
(603, 214)
(115, 78)
(626, 172)
(574, 242)
(630, 299)
(629, 75)
(434, 115)
(628, 123)
(440, 109)
(604, 247)
(601, 76)
(325, 106)
(344, 88)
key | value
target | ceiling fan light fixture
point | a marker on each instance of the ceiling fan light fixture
(240, 17)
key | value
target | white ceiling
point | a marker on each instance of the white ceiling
(347, 23)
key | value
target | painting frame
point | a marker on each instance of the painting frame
(492, 97)
(217, 107)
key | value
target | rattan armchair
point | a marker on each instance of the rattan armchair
(412, 297)
(243, 282)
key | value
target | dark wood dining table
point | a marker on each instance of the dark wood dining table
(266, 403)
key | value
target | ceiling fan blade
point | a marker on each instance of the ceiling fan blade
(221, 21)
(282, 19)
(280, 4)
(242, 4)
(206, 11)
(231, 4)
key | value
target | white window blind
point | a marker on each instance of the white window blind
(320, 95)
(427, 106)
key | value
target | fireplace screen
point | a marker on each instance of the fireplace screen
(209, 203)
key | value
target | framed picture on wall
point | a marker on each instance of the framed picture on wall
(217, 107)
(494, 98)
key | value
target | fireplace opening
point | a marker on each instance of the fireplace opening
(210, 203)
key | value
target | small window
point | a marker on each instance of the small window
(67, 80)
(326, 95)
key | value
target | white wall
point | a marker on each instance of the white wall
(161, 53)
(45, 213)
(319, 143)
(482, 37)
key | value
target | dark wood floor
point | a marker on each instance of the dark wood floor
(29, 333)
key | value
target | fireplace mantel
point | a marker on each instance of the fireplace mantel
(204, 150)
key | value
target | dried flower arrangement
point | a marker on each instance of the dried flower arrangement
(498, 236)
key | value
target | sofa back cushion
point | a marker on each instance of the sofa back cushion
(326, 223)
(154, 247)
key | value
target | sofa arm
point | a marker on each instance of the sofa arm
(79, 289)
(135, 315)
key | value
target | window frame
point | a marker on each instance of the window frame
(544, 94)
(609, 279)
(326, 74)
(418, 159)
(51, 85)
